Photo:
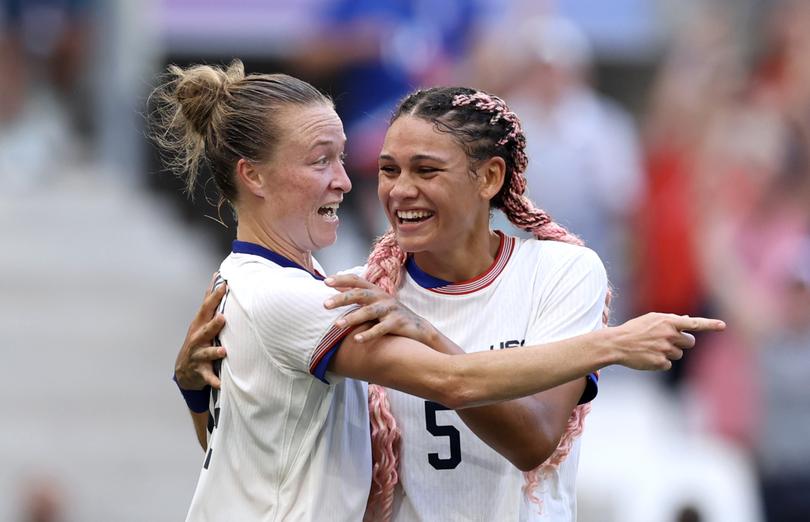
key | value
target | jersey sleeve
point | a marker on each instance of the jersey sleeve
(571, 303)
(297, 332)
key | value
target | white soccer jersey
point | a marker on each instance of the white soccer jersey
(535, 292)
(285, 445)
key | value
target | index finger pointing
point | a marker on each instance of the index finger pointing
(699, 324)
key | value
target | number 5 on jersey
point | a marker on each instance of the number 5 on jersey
(438, 430)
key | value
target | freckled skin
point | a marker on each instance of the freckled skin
(305, 173)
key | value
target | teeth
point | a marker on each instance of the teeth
(413, 214)
(329, 210)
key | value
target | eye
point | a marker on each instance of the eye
(321, 161)
(388, 170)
(427, 169)
(342, 158)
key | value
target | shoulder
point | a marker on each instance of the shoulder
(550, 255)
(263, 286)
(557, 267)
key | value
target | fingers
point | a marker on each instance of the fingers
(207, 333)
(376, 331)
(207, 310)
(208, 354)
(212, 283)
(684, 340)
(347, 281)
(210, 378)
(357, 296)
(210, 303)
(363, 315)
(697, 324)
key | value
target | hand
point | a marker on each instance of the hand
(654, 340)
(392, 316)
(194, 367)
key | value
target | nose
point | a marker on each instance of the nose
(341, 180)
(403, 187)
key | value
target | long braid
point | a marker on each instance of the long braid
(522, 213)
(384, 270)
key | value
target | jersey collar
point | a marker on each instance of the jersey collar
(440, 286)
(245, 247)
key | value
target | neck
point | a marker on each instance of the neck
(251, 231)
(465, 260)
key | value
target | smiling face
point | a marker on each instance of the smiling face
(306, 179)
(432, 200)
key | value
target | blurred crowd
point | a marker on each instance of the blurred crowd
(693, 185)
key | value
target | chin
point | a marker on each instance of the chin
(413, 245)
(324, 241)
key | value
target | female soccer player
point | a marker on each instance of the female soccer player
(451, 156)
(289, 426)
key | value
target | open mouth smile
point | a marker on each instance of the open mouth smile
(329, 212)
(405, 217)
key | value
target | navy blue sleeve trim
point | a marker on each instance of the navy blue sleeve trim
(320, 369)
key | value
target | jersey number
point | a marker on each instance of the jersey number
(450, 432)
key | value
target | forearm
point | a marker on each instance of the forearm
(486, 377)
(516, 429)
(201, 427)
(441, 343)
(525, 431)
(476, 379)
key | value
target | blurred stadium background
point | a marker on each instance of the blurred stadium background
(671, 134)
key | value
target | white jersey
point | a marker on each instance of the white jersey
(288, 441)
(535, 292)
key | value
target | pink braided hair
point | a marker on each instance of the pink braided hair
(385, 268)
(521, 212)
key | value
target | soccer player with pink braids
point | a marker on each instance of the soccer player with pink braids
(450, 156)
(293, 376)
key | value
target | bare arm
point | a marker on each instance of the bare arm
(478, 379)
(526, 431)
(475, 379)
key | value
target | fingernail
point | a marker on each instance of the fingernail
(358, 338)
(340, 322)
(328, 303)
(329, 280)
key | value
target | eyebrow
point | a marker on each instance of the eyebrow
(416, 157)
(325, 141)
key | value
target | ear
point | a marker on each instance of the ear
(491, 174)
(250, 178)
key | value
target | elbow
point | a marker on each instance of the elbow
(537, 446)
(531, 456)
(532, 447)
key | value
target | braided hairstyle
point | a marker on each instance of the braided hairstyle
(485, 127)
